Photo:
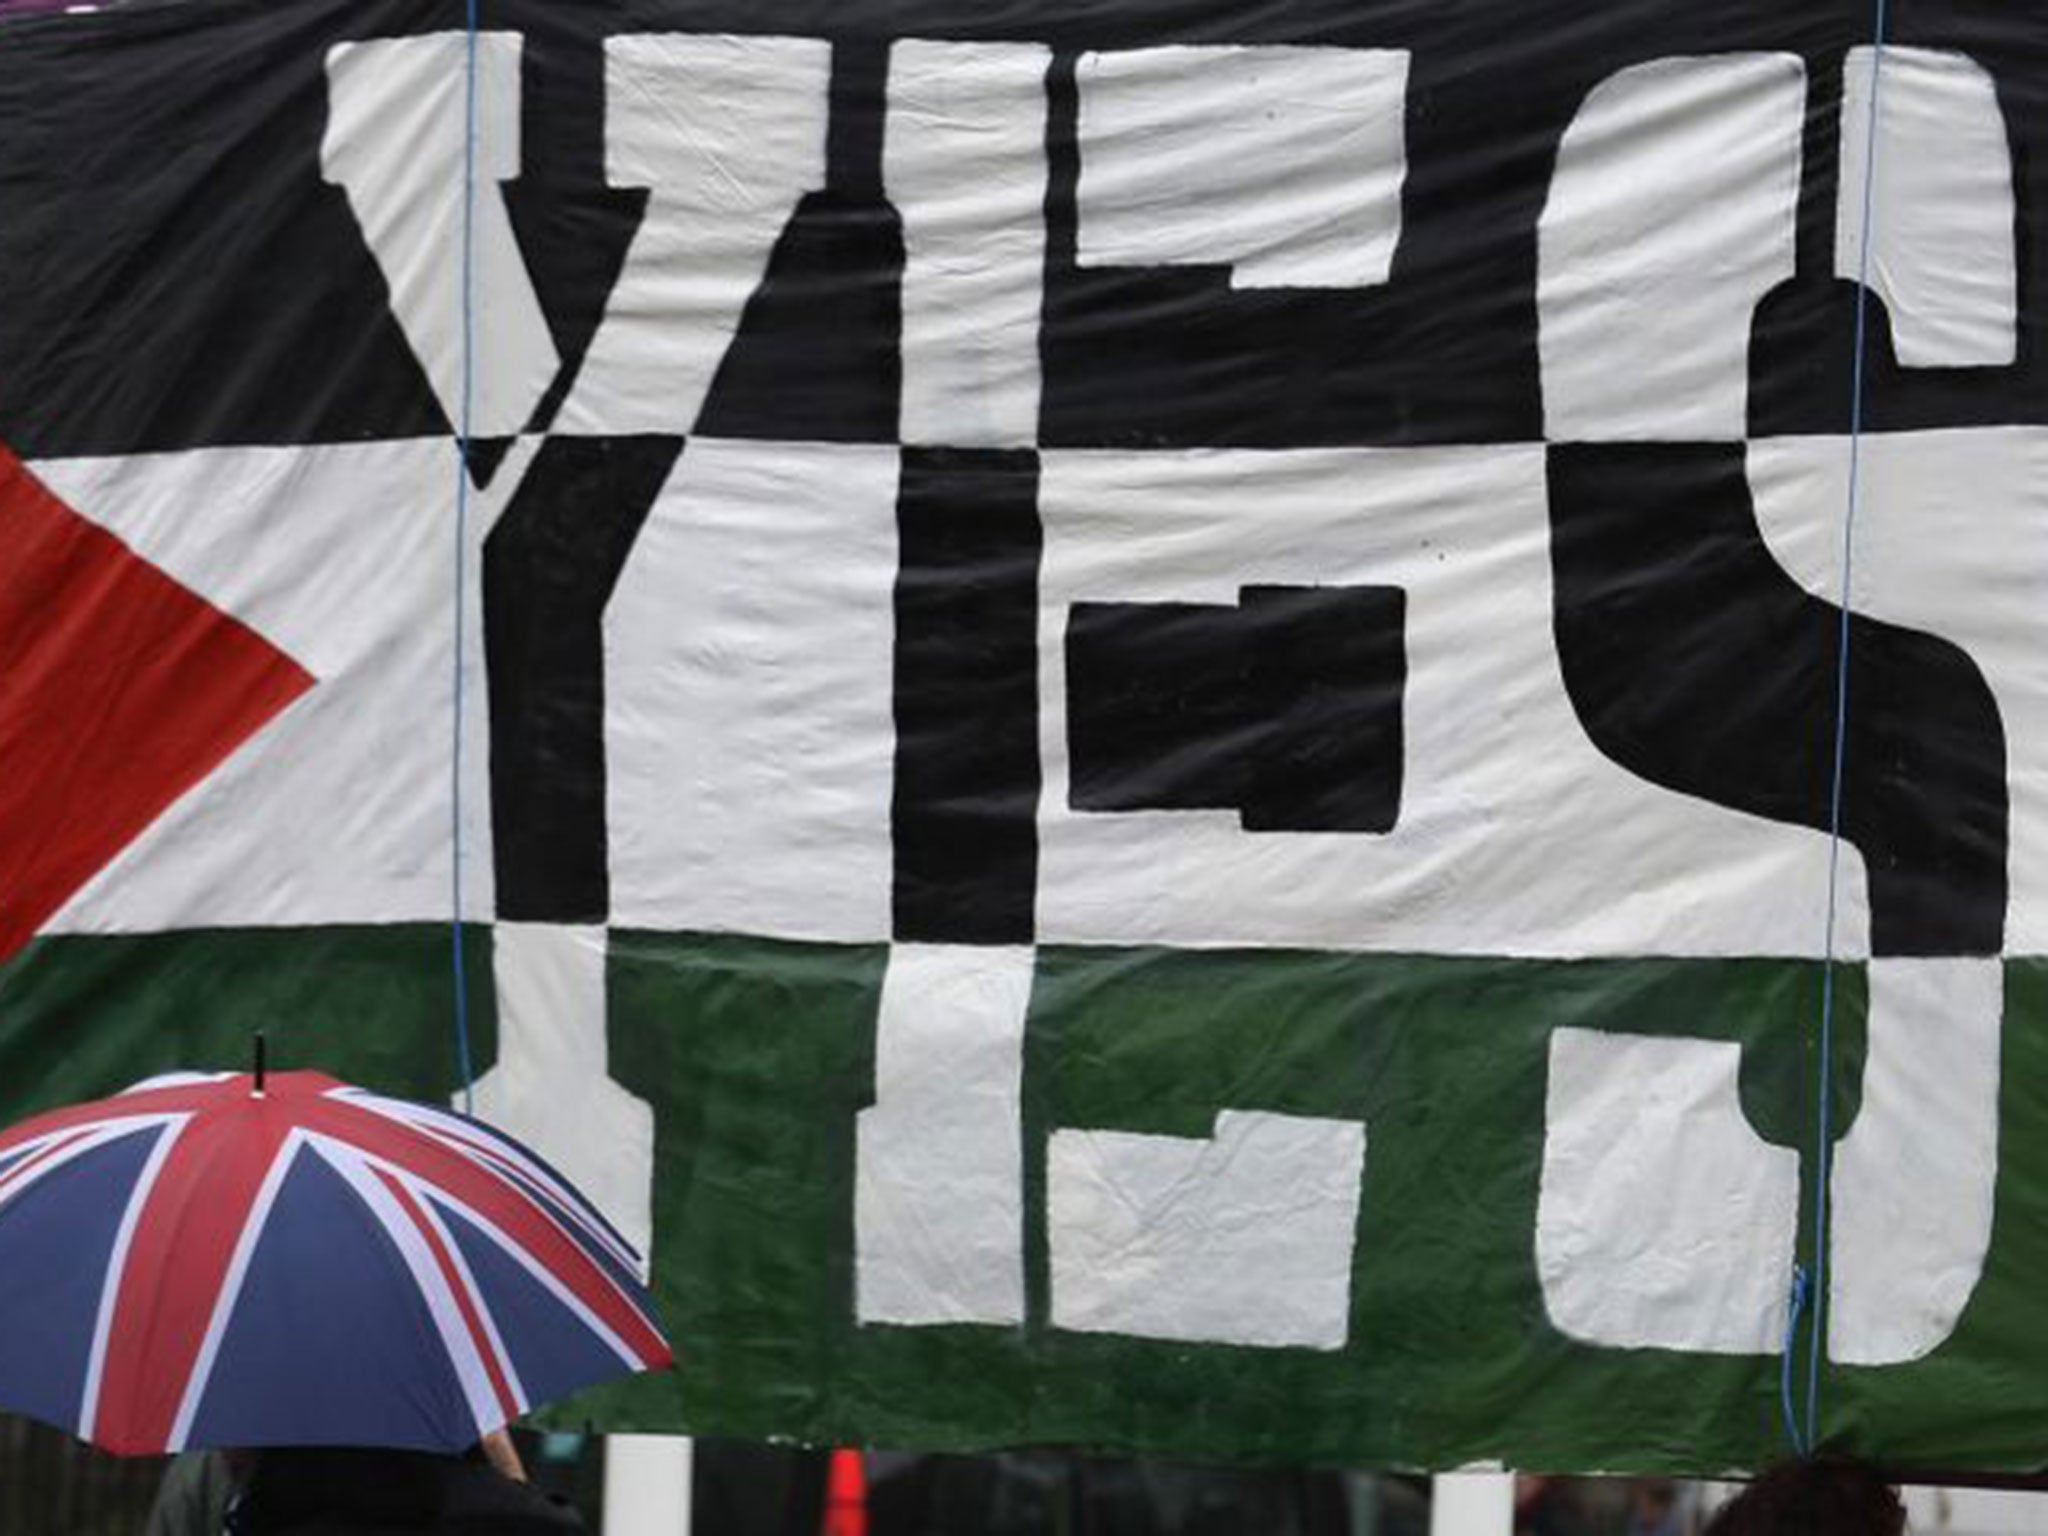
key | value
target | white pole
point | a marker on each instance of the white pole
(646, 1485)
(1472, 1504)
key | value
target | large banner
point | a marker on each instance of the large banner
(1307, 731)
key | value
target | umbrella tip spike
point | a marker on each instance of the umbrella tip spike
(257, 1090)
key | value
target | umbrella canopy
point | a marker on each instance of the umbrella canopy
(201, 1260)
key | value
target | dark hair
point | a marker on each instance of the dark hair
(1827, 1496)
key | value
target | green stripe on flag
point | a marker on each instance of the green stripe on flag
(757, 1056)
(85, 1015)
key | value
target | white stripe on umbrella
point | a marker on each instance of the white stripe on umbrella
(428, 1197)
(174, 1080)
(467, 1139)
(62, 1147)
(462, 1347)
(546, 1278)
(475, 1140)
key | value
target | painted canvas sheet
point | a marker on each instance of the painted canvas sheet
(1294, 732)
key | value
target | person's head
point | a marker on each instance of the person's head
(1827, 1496)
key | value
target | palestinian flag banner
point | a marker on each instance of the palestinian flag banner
(1310, 731)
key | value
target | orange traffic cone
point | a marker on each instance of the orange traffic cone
(846, 1495)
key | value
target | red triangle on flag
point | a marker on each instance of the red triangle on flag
(120, 689)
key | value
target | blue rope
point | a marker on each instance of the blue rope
(456, 955)
(1800, 1445)
(1824, 1132)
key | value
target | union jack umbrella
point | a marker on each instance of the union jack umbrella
(233, 1259)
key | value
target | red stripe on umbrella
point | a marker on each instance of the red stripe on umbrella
(458, 1287)
(191, 1221)
(521, 1218)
